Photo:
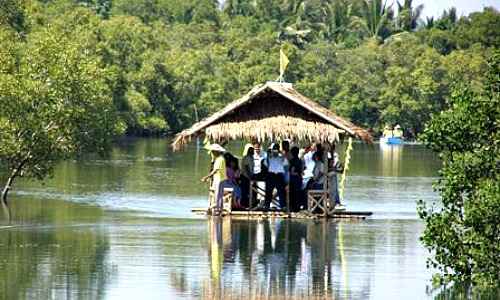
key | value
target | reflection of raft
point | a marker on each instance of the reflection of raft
(272, 112)
(277, 214)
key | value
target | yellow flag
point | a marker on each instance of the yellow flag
(283, 63)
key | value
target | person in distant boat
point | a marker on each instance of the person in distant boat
(334, 167)
(397, 132)
(217, 174)
(276, 165)
(387, 133)
(247, 174)
(295, 186)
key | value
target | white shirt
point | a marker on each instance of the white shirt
(308, 164)
(257, 160)
(277, 164)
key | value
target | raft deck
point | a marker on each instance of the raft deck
(343, 214)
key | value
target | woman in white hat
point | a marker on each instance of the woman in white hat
(218, 173)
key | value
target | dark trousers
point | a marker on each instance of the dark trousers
(296, 193)
(277, 181)
(245, 191)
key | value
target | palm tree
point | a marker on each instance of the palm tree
(429, 22)
(448, 19)
(295, 25)
(377, 15)
(337, 20)
(408, 16)
(238, 7)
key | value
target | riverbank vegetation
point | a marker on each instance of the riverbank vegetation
(464, 235)
(54, 103)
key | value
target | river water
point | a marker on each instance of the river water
(121, 228)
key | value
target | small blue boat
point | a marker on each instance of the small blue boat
(392, 136)
(392, 140)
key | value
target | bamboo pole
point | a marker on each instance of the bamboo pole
(346, 167)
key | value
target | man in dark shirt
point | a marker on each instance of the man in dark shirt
(297, 197)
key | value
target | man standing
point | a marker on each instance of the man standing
(258, 157)
(308, 165)
(217, 174)
(334, 167)
(277, 166)
(259, 174)
(247, 173)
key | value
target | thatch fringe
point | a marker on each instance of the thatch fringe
(274, 128)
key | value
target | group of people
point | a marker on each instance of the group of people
(279, 168)
(389, 132)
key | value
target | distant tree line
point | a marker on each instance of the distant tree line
(164, 58)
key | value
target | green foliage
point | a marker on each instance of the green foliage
(173, 60)
(479, 27)
(354, 56)
(402, 81)
(55, 103)
(408, 16)
(378, 17)
(13, 14)
(464, 233)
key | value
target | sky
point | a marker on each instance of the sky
(464, 7)
(436, 7)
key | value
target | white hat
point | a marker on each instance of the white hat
(215, 147)
(397, 126)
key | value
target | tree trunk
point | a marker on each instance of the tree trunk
(7, 188)
(15, 172)
(6, 212)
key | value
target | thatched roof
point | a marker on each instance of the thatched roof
(272, 111)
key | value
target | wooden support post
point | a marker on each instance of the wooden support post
(325, 184)
(288, 198)
(250, 201)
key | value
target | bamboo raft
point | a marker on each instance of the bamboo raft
(255, 214)
(271, 112)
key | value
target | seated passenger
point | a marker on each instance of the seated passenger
(397, 132)
(387, 132)
(318, 180)
(233, 178)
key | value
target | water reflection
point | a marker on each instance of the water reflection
(390, 163)
(278, 258)
(100, 228)
(61, 259)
